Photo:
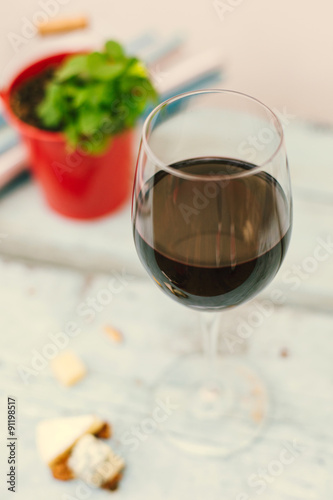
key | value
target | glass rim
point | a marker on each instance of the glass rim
(184, 175)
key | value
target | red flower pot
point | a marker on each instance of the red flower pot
(75, 184)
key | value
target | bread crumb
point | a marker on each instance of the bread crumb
(257, 415)
(113, 484)
(105, 432)
(284, 353)
(257, 390)
(61, 471)
(68, 368)
(114, 334)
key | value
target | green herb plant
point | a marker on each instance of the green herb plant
(94, 96)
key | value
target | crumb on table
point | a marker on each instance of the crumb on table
(114, 334)
(68, 368)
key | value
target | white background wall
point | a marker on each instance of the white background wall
(280, 51)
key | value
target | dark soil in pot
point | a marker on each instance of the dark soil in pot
(27, 96)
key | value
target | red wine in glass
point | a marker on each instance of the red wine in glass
(212, 246)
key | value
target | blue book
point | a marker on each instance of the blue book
(8, 136)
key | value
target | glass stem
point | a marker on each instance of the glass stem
(210, 322)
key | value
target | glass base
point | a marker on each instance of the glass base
(213, 411)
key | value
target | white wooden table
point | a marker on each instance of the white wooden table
(50, 266)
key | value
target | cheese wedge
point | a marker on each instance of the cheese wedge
(56, 437)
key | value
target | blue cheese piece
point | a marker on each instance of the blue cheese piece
(94, 462)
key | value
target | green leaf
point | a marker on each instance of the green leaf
(110, 93)
(72, 134)
(100, 68)
(137, 69)
(96, 95)
(50, 110)
(90, 120)
(80, 97)
(95, 60)
(114, 50)
(69, 89)
(50, 115)
(73, 66)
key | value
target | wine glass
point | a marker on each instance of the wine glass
(212, 216)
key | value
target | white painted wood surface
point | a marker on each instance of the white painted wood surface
(37, 301)
(41, 295)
